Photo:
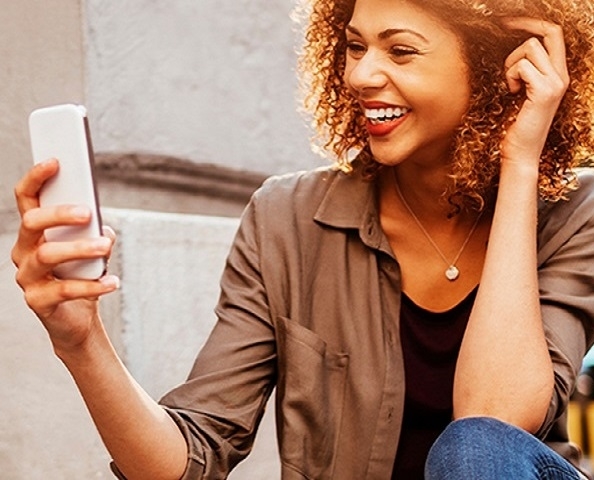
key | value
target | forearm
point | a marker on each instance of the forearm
(141, 437)
(504, 368)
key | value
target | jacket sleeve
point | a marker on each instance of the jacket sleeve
(566, 282)
(219, 407)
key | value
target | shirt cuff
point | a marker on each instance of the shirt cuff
(195, 466)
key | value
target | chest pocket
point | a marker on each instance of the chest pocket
(310, 397)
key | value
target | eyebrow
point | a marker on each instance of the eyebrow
(390, 32)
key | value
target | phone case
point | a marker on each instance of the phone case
(62, 132)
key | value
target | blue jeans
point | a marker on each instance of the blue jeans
(488, 449)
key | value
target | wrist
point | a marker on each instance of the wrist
(80, 350)
(519, 171)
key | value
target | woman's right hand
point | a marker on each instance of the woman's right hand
(67, 308)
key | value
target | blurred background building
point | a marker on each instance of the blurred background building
(191, 105)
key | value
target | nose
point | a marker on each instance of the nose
(365, 72)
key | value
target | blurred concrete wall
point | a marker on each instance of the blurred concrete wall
(42, 62)
(211, 81)
(208, 81)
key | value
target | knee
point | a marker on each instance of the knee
(487, 448)
(466, 445)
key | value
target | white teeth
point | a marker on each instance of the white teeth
(385, 114)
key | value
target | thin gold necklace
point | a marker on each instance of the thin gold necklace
(452, 272)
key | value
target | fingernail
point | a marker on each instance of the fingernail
(111, 281)
(80, 212)
(101, 242)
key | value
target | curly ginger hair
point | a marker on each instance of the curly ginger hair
(339, 123)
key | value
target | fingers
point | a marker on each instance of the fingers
(109, 233)
(27, 190)
(537, 75)
(62, 305)
(38, 263)
(31, 247)
(39, 219)
(35, 220)
(44, 292)
(551, 35)
(527, 64)
(539, 65)
(44, 296)
(53, 253)
(27, 198)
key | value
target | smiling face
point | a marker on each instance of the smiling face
(406, 69)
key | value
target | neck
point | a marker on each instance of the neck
(423, 190)
(400, 218)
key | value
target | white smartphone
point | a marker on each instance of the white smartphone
(62, 132)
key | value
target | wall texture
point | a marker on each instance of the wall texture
(211, 81)
(42, 58)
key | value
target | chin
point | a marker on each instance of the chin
(385, 157)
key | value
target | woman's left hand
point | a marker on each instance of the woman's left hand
(539, 64)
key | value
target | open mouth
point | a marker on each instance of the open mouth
(377, 116)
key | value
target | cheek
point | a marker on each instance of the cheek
(452, 95)
(346, 76)
(461, 95)
(459, 86)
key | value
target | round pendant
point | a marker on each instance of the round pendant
(452, 273)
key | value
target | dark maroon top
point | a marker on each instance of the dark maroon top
(430, 344)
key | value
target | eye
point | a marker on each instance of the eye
(355, 49)
(403, 53)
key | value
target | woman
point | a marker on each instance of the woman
(421, 283)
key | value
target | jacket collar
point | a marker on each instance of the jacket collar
(350, 203)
